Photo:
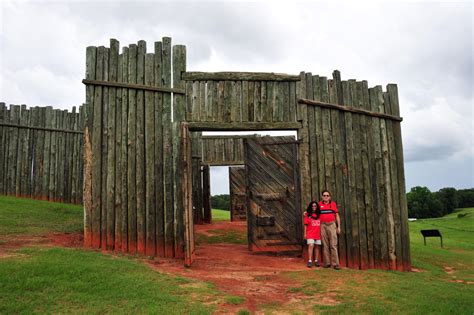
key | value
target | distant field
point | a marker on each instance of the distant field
(220, 215)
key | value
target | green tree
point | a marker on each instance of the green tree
(449, 199)
(423, 204)
(220, 202)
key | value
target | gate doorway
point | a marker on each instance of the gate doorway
(273, 206)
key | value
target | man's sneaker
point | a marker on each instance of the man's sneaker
(327, 266)
(310, 264)
(318, 264)
(337, 267)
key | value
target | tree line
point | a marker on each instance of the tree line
(220, 202)
(422, 203)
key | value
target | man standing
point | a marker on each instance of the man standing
(330, 228)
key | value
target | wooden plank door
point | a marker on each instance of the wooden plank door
(274, 215)
(187, 189)
(238, 203)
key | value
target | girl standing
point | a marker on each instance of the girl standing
(312, 232)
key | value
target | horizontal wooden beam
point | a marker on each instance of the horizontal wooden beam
(40, 128)
(348, 109)
(222, 163)
(133, 86)
(242, 126)
(237, 76)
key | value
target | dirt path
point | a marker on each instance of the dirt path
(238, 272)
(232, 268)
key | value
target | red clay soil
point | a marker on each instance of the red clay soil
(232, 268)
(236, 271)
(8, 244)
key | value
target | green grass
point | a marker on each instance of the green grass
(220, 215)
(26, 216)
(75, 281)
(433, 290)
(222, 236)
(234, 300)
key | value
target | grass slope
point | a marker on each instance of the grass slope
(34, 217)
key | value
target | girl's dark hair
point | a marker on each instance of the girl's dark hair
(309, 210)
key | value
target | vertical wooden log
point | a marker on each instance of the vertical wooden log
(202, 101)
(292, 102)
(367, 161)
(124, 153)
(360, 159)
(23, 189)
(313, 147)
(179, 66)
(3, 143)
(96, 145)
(341, 170)
(380, 239)
(80, 161)
(190, 96)
(270, 101)
(13, 149)
(206, 193)
(91, 56)
(228, 88)
(320, 86)
(167, 151)
(404, 232)
(220, 101)
(215, 101)
(393, 219)
(141, 206)
(245, 101)
(150, 156)
(209, 100)
(111, 144)
(68, 167)
(354, 256)
(104, 168)
(257, 101)
(118, 157)
(131, 151)
(251, 100)
(159, 179)
(285, 90)
(302, 116)
(196, 179)
(74, 155)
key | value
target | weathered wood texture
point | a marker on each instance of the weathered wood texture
(349, 143)
(132, 201)
(273, 197)
(355, 152)
(29, 160)
(238, 204)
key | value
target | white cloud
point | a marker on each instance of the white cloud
(425, 47)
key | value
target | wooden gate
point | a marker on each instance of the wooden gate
(238, 203)
(273, 194)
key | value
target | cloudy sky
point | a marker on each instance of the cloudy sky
(424, 47)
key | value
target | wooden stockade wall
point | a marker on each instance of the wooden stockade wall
(223, 150)
(355, 151)
(132, 200)
(350, 143)
(41, 153)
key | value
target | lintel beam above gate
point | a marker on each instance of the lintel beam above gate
(239, 76)
(242, 126)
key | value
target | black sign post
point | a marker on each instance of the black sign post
(432, 233)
